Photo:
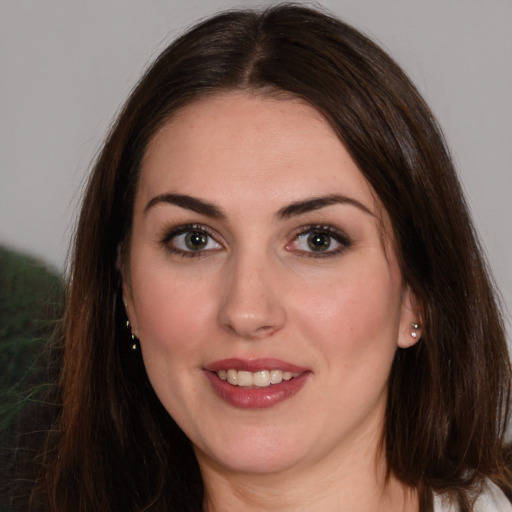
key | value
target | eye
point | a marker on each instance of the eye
(320, 241)
(190, 240)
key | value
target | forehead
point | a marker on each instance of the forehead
(253, 149)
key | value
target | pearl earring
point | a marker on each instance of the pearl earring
(415, 326)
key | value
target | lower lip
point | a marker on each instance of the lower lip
(256, 398)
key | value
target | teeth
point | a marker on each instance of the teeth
(259, 379)
(232, 377)
(276, 376)
(244, 379)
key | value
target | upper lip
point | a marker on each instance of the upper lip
(254, 365)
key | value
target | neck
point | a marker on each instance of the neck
(353, 481)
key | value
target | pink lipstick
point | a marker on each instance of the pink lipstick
(256, 383)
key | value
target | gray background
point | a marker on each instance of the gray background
(67, 66)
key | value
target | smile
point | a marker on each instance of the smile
(260, 379)
(256, 383)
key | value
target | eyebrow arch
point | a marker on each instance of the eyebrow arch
(315, 203)
(189, 203)
(296, 208)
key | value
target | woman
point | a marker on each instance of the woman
(277, 300)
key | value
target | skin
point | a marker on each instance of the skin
(257, 290)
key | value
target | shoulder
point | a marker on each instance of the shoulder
(491, 499)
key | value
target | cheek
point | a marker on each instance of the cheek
(172, 316)
(170, 312)
(352, 314)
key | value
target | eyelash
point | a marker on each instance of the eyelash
(320, 229)
(170, 234)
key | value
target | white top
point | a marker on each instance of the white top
(491, 500)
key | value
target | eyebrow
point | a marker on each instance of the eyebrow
(296, 208)
(315, 203)
(188, 202)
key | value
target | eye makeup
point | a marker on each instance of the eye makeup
(319, 241)
(198, 240)
(189, 240)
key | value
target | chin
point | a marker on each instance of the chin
(255, 453)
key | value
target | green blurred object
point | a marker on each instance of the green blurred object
(31, 301)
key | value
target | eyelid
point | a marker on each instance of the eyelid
(341, 238)
(168, 233)
(337, 234)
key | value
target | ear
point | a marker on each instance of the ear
(410, 319)
(124, 270)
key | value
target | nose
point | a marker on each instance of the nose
(252, 303)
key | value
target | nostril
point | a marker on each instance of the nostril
(248, 331)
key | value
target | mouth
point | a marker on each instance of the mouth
(259, 379)
(256, 384)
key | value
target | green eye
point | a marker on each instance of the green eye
(319, 242)
(190, 241)
(196, 240)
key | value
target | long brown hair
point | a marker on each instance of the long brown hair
(112, 445)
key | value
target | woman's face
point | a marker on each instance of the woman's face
(263, 285)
